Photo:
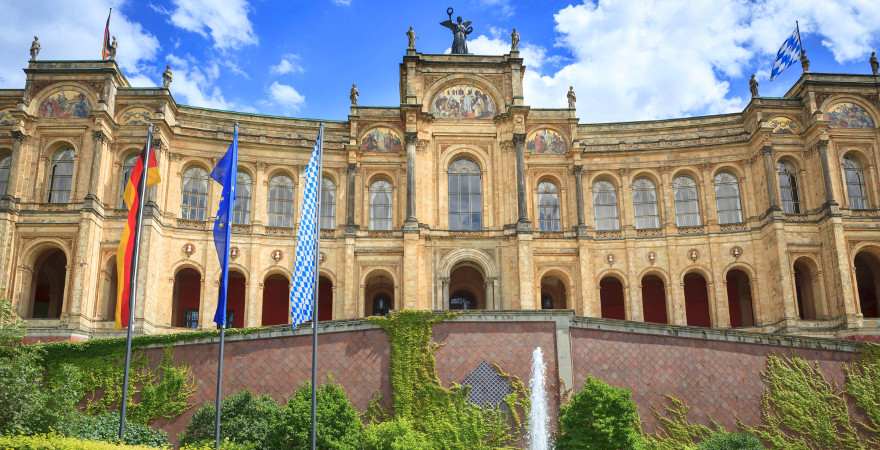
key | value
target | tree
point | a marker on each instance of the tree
(599, 416)
(339, 426)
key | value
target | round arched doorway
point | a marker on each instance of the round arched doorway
(467, 288)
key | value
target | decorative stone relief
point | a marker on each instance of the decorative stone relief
(693, 254)
(546, 141)
(463, 101)
(6, 118)
(783, 125)
(652, 257)
(189, 249)
(736, 251)
(849, 115)
(381, 139)
(65, 105)
(277, 255)
(233, 252)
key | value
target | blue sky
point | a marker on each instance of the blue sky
(628, 60)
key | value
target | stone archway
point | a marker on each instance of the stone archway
(48, 285)
(806, 291)
(696, 300)
(467, 288)
(611, 298)
(235, 295)
(739, 299)
(867, 268)
(479, 262)
(554, 294)
(325, 298)
(654, 299)
(378, 293)
(186, 300)
(276, 300)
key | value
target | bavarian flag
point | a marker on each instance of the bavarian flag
(125, 252)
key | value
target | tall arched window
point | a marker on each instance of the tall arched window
(380, 205)
(195, 194)
(727, 199)
(61, 181)
(687, 206)
(241, 210)
(328, 204)
(281, 201)
(465, 196)
(127, 166)
(5, 163)
(788, 188)
(605, 206)
(548, 207)
(645, 204)
(855, 183)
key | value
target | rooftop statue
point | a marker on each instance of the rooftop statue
(411, 39)
(35, 48)
(753, 86)
(874, 64)
(460, 30)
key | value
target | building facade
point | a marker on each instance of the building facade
(460, 197)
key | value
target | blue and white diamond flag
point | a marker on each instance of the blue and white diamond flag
(303, 283)
(789, 53)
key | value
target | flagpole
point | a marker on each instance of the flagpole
(224, 283)
(314, 429)
(797, 28)
(133, 284)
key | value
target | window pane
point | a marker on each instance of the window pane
(328, 204)
(241, 210)
(5, 162)
(380, 206)
(645, 204)
(465, 199)
(281, 196)
(61, 176)
(788, 188)
(548, 207)
(855, 183)
(195, 194)
(727, 199)
(687, 206)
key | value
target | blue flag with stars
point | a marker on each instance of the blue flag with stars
(789, 53)
(225, 173)
(304, 281)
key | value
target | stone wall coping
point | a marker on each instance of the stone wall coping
(565, 319)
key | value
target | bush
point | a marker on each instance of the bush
(600, 416)
(731, 441)
(245, 419)
(339, 426)
(397, 434)
(105, 427)
(28, 404)
(224, 445)
(55, 442)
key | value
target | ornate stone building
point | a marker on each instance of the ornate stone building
(461, 196)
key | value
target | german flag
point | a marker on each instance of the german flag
(125, 252)
(105, 50)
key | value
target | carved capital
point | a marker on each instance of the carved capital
(352, 169)
(99, 136)
(411, 137)
(18, 136)
(519, 139)
(767, 150)
(578, 170)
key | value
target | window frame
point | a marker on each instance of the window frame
(54, 176)
(719, 211)
(241, 209)
(280, 208)
(640, 219)
(687, 209)
(384, 222)
(862, 201)
(469, 218)
(792, 205)
(613, 221)
(328, 203)
(199, 210)
(549, 202)
(5, 157)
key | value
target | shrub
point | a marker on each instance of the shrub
(245, 419)
(397, 434)
(599, 416)
(105, 427)
(731, 441)
(55, 442)
(224, 445)
(339, 426)
(29, 404)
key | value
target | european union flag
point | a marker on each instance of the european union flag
(790, 52)
(225, 174)
(304, 281)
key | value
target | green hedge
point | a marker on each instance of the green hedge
(55, 442)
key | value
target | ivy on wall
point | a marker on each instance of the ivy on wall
(444, 415)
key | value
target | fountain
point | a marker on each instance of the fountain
(539, 435)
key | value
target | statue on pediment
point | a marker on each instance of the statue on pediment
(460, 30)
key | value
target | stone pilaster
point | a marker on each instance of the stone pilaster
(525, 273)
(822, 146)
(522, 223)
(17, 165)
(411, 140)
(99, 140)
(579, 194)
(350, 225)
(770, 177)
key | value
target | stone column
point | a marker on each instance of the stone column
(579, 193)
(99, 139)
(826, 173)
(411, 140)
(519, 141)
(349, 198)
(770, 175)
(16, 165)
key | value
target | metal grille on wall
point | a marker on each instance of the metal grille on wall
(488, 387)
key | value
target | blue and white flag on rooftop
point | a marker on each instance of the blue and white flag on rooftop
(789, 53)
(303, 283)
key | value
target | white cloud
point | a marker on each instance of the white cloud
(195, 83)
(226, 21)
(289, 64)
(659, 59)
(342, 2)
(70, 30)
(286, 97)
(504, 8)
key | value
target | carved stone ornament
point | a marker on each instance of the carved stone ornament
(188, 249)
(233, 252)
(322, 258)
(277, 255)
(610, 259)
(693, 254)
(736, 251)
(652, 257)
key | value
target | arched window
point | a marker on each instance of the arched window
(328, 204)
(380, 205)
(645, 204)
(195, 194)
(605, 206)
(61, 181)
(548, 207)
(281, 201)
(241, 210)
(687, 206)
(727, 200)
(855, 183)
(5, 163)
(127, 166)
(465, 196)
(788, 188)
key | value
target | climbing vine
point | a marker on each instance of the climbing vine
(443, 414)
